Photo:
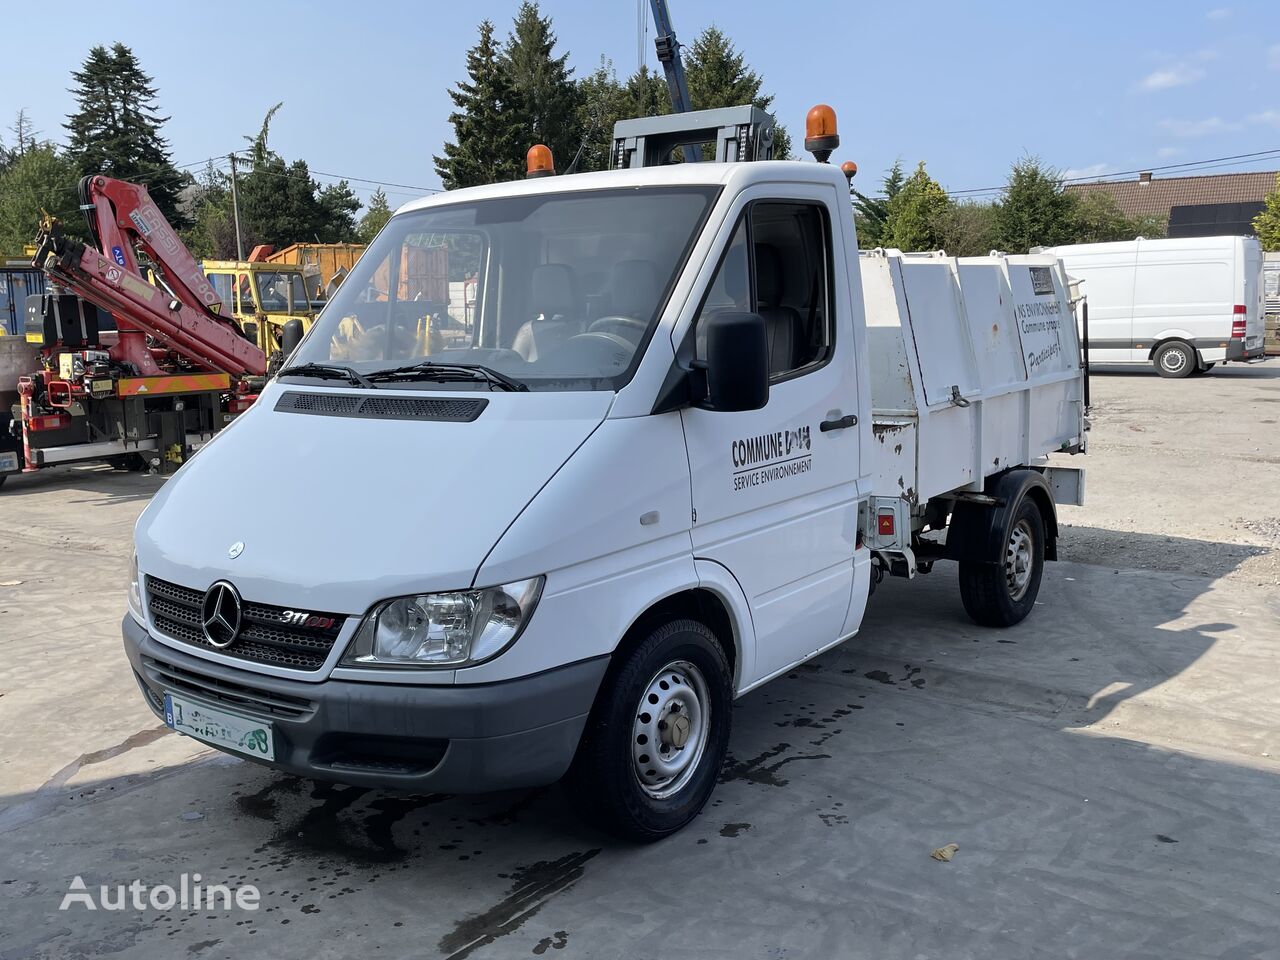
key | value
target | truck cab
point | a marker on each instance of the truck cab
(643, 485)
(261, 298)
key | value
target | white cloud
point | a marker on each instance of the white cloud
(1218, 13)
(1267, 118)
(1164, 153)
(1091, 172)
(1200, 128)
(1273, 57)
(1177, 75)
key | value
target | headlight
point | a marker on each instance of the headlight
(444, 629)
(135, 590)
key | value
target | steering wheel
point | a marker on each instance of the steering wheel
(626, 327)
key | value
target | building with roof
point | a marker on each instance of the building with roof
(1222, 204)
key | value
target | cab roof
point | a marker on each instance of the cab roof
(680, 174)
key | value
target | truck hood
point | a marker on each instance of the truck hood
(337, 512)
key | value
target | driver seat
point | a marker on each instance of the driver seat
(554, 297)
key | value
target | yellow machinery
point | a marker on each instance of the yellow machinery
(262, 298)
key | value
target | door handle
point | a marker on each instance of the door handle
(826, 426)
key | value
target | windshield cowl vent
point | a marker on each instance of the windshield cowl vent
(363, 406)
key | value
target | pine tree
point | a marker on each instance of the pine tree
(546, 94)
(116, 127)
(1267, 223)
(376, 215)
(719, 76)
(873, 212)
(488, 131)
(915, 214)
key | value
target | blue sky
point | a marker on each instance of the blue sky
(1090, 87)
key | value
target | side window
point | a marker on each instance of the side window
(790, 267)
(778, 266)
(730, 288)
(221, 284)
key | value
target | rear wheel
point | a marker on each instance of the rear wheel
(1176, 360)
(656, 739)
(1002, 593)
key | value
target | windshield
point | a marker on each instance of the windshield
(277, 287)
(556, 291)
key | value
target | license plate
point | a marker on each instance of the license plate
(218, 727)
(8, 462)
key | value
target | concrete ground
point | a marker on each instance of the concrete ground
(1108, 768)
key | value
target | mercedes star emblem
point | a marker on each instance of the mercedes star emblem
(235, 549)
(220, 614)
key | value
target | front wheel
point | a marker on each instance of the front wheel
(1176, 360)
(657, 736)
(1002, 593)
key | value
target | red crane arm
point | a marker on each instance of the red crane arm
(123, 217)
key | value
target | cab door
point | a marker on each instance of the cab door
(775, 490)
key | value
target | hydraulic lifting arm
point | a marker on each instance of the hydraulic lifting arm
(122, 217)
(673, 65)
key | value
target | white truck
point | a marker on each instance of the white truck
(692, 431)
(1182, 305)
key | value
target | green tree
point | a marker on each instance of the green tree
(913, 221)
(212, 234)
(488, 129)
(967, 229)
(871, 213)
(719, 76)
(39, 180)
(601, 102)
(115, 128)
(1034, 209)
(544, 88)
(1267, 223)
(1098, 219)
(376, 215)
(280, 204)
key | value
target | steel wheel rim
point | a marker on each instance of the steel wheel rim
(1173, 360)
(1019, 560)
(671, 729)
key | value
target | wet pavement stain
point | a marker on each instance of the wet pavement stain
(734, 829)
(531, 887)
(557, 941)
(755, 770)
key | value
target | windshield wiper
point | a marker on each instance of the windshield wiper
(445, 372)
(329, 371)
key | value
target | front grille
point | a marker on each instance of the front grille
(446, 409)
(233, 695)
(264, 637)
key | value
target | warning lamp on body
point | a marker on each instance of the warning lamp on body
(820, 137)
(885, 525)
(539, 162)
(849, 169)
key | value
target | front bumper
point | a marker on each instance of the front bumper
(439, 739)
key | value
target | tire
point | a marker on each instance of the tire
(1001, 594)
(1176, 360)
(617, 780)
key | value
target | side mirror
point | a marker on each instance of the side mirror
(290, 337)
(737, 364)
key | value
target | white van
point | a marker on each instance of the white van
(690, 432)
(1182, 305)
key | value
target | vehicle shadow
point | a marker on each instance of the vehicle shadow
(1101, 766)
(1268, 370)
